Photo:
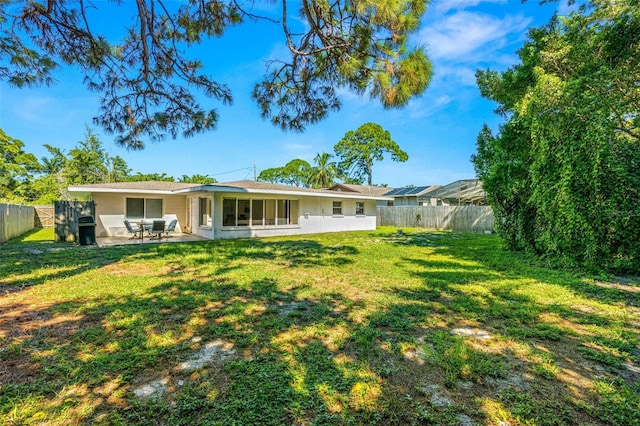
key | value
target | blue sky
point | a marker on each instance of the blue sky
(438, 130)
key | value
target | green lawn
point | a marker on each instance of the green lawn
(351, 328)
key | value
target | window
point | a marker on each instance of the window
(269, 212)
(244, 212)
(153, 207)
(135, 208)
(359, 208)
(142, 208)
(337, 208)
(229, 212)
(205, 212)
(259, 212)
(283, 212)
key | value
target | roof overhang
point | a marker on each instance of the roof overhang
(85, 190)
(289, 193)
(226, 189)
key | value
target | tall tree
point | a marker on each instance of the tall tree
(16, 169)
(88, 162)
(563, 170)
(324, 172)
(51, 185)
(295, 173)
(145, 77)
(358, 149)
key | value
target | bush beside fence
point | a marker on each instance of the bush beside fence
(454, 218)
(15, 220)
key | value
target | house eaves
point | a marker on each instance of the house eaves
(288, 191)
(143, 187)
(247, 187)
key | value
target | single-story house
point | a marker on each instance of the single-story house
(410, 195)
(458, 193)
(228, 210)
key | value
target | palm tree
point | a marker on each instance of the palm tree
(324, 172)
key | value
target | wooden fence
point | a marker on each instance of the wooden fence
(455, 218)
(15, 220)
(66, 218)
(44, 216)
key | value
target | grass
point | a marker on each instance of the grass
(351, 328)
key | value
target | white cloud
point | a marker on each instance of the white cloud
(443, 100)
(34, 109)
(564, 8)
(444, 6)
(466, 36)
(461, 74)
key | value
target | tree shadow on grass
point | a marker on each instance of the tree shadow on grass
(297, 358)
(27, 264)
(85, 358)
(565, 336)
(291, 253)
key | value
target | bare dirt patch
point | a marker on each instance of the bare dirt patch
(217, 352)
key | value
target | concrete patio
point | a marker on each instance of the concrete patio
(171, 238)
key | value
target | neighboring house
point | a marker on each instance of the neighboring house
(410, 195)
(229, 210)
(459, 193)
(377, 191)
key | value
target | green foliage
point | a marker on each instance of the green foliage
(88, 162)
(204, 179)
(324, 172)
(361, 46)
(358, 149)
(16, 169)
(296, 172)
(142, 177)
(562, 172)
(148, 84)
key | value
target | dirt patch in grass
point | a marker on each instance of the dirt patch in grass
(396, 329)
(25, 327)
(211, 353)
(629, 285)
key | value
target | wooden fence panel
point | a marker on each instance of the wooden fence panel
(453, 218)
(15, 220)
(44, 216)
(66, 218)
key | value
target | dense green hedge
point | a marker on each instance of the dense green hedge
(563, 172)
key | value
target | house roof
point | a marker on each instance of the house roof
(360, 189)
(411, 191)
(242, 186)
(150, 185)
(465, 190)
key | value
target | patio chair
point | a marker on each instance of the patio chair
(157, 229)
(171, 227)
(135, 230)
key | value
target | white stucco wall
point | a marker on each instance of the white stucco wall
(315, 216)
(111, 208)
(194, 220)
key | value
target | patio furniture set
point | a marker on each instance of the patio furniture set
(154, 229)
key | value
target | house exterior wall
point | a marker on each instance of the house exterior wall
(405, 201)
(194, 220)
(111, 210)
(315, 215)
